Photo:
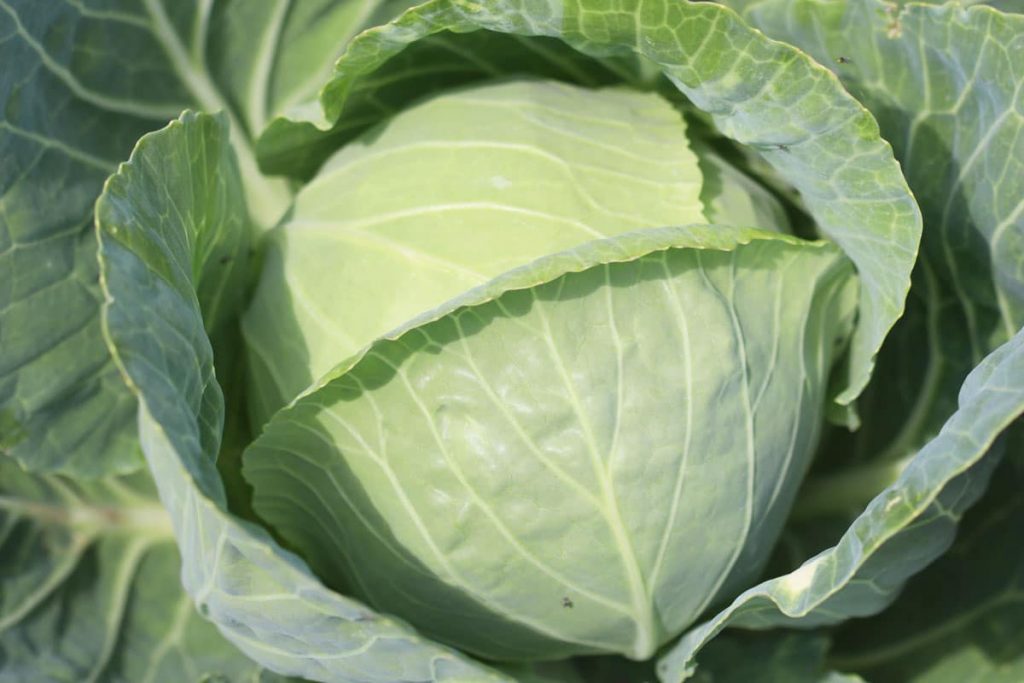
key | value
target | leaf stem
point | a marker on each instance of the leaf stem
(267, 198)
(149, 518)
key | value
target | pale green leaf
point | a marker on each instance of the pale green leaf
(731, 197)
(263, 599)
(431, 65)
(449, 194)
(761, 93)
(570, 390)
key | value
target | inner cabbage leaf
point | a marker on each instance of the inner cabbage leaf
(459, 189)
(489, 476)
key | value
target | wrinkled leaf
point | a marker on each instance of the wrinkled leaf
(80, 85)
(944, 83)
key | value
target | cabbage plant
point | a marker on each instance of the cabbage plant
(511, 340)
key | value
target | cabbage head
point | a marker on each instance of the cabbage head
(571, 361)
(552, 341)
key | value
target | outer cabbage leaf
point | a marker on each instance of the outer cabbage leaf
(760, 93)
(90, 588)
(81, 83)
(944, 83)
(438, 63)
(151, 220)
(962, 618)
(272, 57)
(903, 529)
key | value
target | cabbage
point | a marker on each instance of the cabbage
(510, 341)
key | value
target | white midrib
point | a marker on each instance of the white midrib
(59, 573)
(322, 73)
(453, 574)
(260, 81)
(748, 428)
(684, 330)
(267, 198)
(149, 520)
(175, 635)
(646, 630)
(122, 580)
(643, 615)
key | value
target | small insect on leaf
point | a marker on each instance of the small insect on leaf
(567, 603)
